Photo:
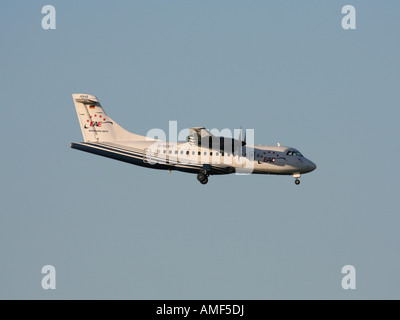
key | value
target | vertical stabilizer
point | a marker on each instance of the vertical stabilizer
(96, 126)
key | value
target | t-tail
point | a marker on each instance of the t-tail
(96, 126)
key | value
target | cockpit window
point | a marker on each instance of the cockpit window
(294, 153)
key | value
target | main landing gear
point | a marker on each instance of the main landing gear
(203, 176)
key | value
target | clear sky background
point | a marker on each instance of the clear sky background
(286, 69)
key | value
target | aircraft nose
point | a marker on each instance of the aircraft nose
(311, 165)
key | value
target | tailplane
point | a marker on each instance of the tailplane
(96, 126)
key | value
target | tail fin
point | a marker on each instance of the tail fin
(96, 125)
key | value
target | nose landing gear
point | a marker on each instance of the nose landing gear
(296, 176)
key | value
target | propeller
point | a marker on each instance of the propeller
(240, 136)
(242, 143)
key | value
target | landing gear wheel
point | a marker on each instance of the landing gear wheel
(201, 177)
(297, 181)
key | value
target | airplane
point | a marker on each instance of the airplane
(203, 153)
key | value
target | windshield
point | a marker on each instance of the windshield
(294, 153)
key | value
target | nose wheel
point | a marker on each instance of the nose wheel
(296, 176)
(203, 177)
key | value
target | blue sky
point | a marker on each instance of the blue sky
(286, 69)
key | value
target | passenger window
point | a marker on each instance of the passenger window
(176, 151)
(205, 153)
(181, 152)
(193, 152)
(187, 153)
(165, 151)
(170, 151)
(199, 153)
(216, 153)
(210, 153)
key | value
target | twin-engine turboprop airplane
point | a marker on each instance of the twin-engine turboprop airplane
(203, 154)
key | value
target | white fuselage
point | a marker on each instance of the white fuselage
(183, 156)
